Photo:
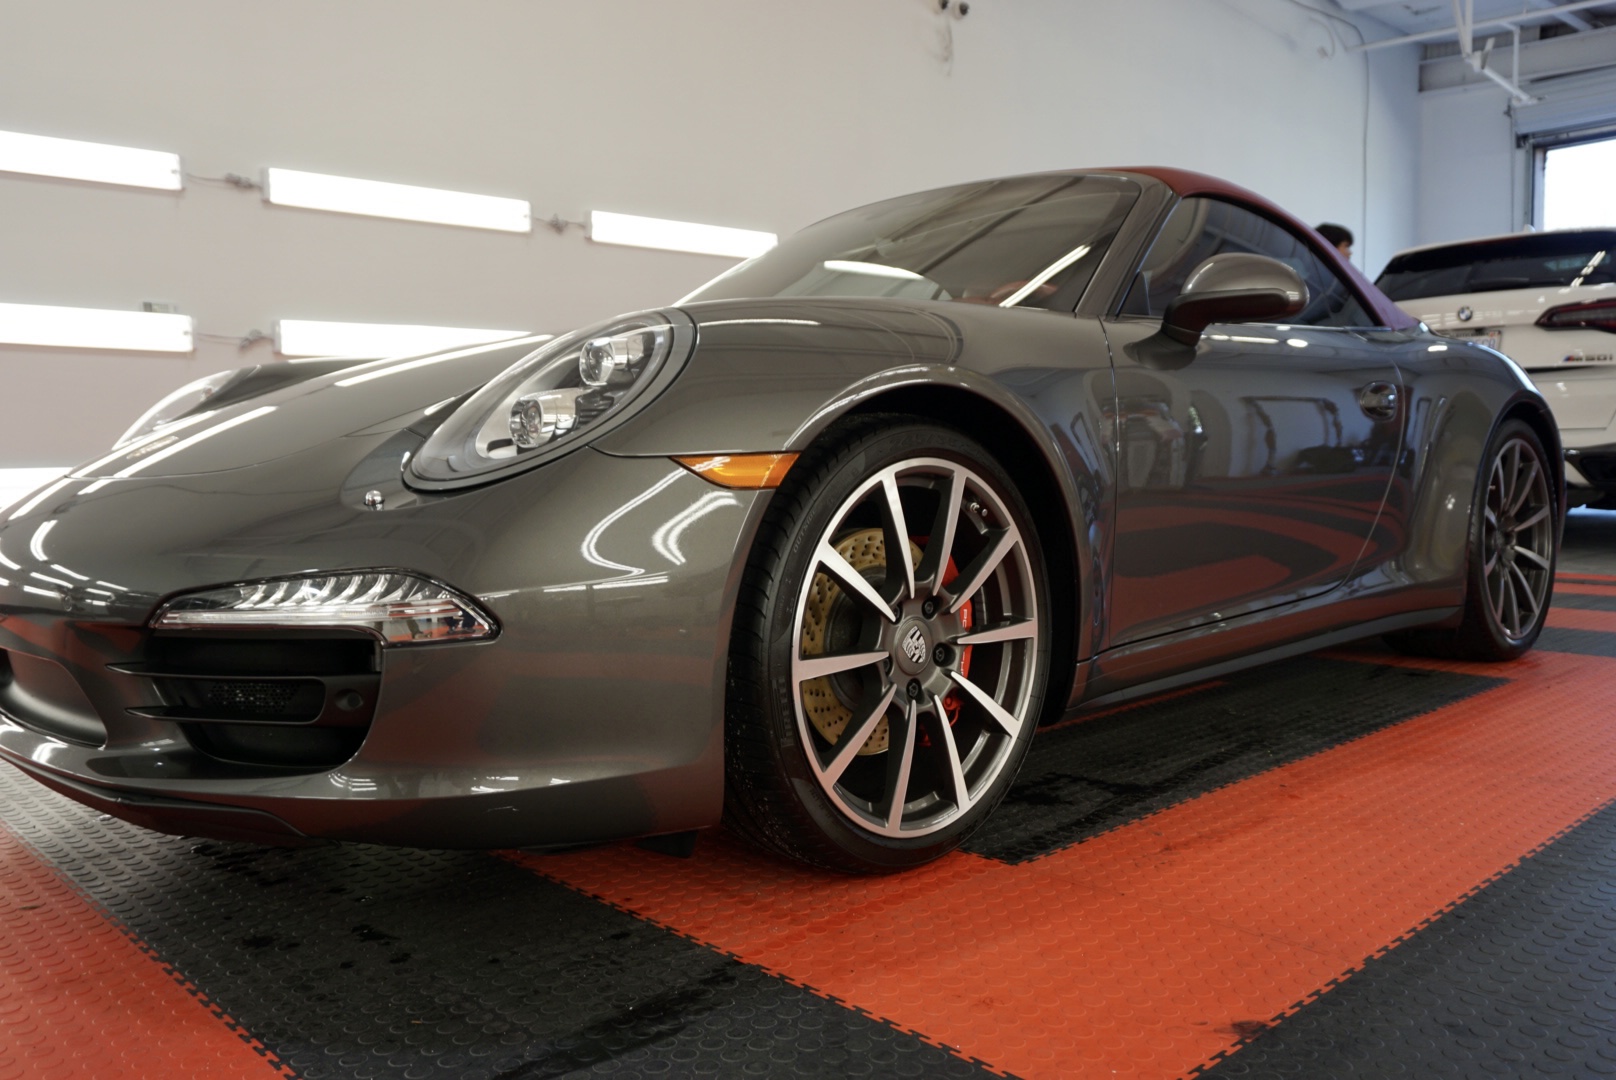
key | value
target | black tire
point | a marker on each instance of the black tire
(814, 755)
(1514, 542)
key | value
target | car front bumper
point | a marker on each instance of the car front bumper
(597, 712)
(1592, 469)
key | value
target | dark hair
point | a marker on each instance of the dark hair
(1336, 234)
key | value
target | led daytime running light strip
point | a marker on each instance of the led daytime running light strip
(401, 609)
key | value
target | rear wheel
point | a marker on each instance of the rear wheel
(1513, 544)
(889, 653)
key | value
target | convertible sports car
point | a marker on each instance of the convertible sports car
(816, 549)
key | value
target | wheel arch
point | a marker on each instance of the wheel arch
(1536, 415)
(1018, 450)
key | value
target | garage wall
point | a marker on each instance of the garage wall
(732, 112)
(1471, 176)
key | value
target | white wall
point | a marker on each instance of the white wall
(1472, 178)
(753, 113)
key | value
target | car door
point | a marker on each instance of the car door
(1252, 475)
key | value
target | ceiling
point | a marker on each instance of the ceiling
(1422, 16)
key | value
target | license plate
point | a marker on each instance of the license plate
(1493, 339)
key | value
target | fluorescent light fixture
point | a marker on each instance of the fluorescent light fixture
(100, 163)
(309, 337)
(870, 269)
(94, 328)
(375, 198)
(608, 228)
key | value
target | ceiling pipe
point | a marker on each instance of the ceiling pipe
(1576, 22)
(1506, 21)
(1464, 21)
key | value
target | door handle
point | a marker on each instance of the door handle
(1378, 400)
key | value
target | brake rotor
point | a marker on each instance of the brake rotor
(864, 550)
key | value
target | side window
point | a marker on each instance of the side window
(1200, 228)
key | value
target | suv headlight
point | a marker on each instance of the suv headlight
(551, 400)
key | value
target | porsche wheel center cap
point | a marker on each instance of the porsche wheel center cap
(913, 650)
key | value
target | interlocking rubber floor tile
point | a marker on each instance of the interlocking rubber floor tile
(1582, 588)
(1562, 639)
(1603, 622)
(1083, 779)
(1566, 577)
(1164, 943)
(1565, 598)
(382, 963)
(1519, 980)
(79, 998)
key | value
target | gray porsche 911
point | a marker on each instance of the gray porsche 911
(813, 551)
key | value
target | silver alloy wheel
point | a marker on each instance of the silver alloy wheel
(1517, 538)
(933, 657)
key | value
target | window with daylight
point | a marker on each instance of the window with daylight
(1577, 188)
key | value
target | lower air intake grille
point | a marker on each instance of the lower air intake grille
(301, 701)
(270, 701)
(256, 698)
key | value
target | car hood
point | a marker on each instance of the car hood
(370, 402)
(376, 398)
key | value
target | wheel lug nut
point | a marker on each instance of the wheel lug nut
(941, 655)
(929, 608)
(913, 690)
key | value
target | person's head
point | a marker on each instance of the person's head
(1340, 238)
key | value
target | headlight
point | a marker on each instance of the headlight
(569, 390)
(184, 400)
(401, 609)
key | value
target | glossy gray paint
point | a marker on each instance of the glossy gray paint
(598, 710)
(602, 692)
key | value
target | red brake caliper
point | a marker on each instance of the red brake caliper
(951, 701)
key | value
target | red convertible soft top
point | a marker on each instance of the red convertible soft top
(1184, 182)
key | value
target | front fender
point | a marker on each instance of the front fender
(1035, 387)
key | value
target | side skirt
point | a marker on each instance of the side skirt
(1405, 621)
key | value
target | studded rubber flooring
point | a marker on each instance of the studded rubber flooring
(1348, 864)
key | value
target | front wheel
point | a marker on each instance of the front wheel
(1513, 544)
(890, 650)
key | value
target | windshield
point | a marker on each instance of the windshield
(1032, 241)
(1529, 261)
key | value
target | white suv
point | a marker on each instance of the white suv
(1548, 300)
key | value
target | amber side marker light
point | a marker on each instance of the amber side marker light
(751, 471)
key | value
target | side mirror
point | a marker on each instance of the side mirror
(1233, 287)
